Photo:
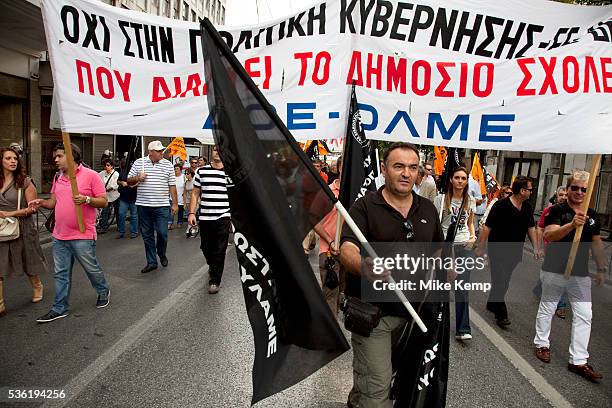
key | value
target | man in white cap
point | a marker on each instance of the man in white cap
(156, 182)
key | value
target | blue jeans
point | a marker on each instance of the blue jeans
(462, 297)
(153, 220)
(64, 254)
(180, 214)
(123, 209)
(105, 215)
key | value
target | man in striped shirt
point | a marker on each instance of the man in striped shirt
(210, 186)
(156, 181)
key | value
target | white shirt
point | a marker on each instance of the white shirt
(214, 200)
(180, 188)
(476, 193)
(110, 182)
(429, 179)
(448, 217)
(154, 191)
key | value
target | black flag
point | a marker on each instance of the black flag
(359, 166)
(451, 163)
(273, 190)
(421, 369)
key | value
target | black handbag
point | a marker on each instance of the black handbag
(50, 223)
(360, 317)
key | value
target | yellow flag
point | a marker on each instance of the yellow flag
(478, 175)
(177, 148)
(439, 158)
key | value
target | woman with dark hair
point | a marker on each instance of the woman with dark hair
(456, 209)
(24, 254)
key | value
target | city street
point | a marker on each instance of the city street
(164, 342)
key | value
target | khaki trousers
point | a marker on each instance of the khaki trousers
(372, 369)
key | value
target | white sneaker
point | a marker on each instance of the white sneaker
(463, 336)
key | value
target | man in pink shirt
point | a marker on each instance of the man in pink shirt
(69, 242)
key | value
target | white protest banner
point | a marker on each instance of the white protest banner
(530, 75)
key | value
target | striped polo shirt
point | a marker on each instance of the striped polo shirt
(154, 191)
(214, 202)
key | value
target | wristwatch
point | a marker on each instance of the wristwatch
(87, 200)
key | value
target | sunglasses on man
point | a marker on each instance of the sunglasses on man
(576, 188)
(409, 230)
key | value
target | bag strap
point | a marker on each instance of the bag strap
(459, 217)
(109, 179)
(18, 199)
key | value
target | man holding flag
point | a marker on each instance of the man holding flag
(393, 214)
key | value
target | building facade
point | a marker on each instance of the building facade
(26, 83)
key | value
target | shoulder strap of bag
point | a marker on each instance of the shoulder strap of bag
(18, 199)
(109, 179)
(459, 217)
(442, 206)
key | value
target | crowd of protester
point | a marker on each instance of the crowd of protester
(161, 196)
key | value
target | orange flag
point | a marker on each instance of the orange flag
(177, 148)
(478, 175)
(439, 158)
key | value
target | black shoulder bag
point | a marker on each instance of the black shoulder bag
(360, 317)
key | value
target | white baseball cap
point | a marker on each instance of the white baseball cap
(156, 145)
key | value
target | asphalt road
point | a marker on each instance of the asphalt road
(164, 342)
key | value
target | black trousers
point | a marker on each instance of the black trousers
(501, 273)
(214, 236)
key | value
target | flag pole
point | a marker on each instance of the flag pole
(72, 178)
(339, 220)
(142, 151)
(585, 207)
(372, 253)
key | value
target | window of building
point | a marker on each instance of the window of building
(154, 7)
(193, 16)
(142, 4)
(166, 8)
(185, 11)
(176, 13)
(222, 15)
